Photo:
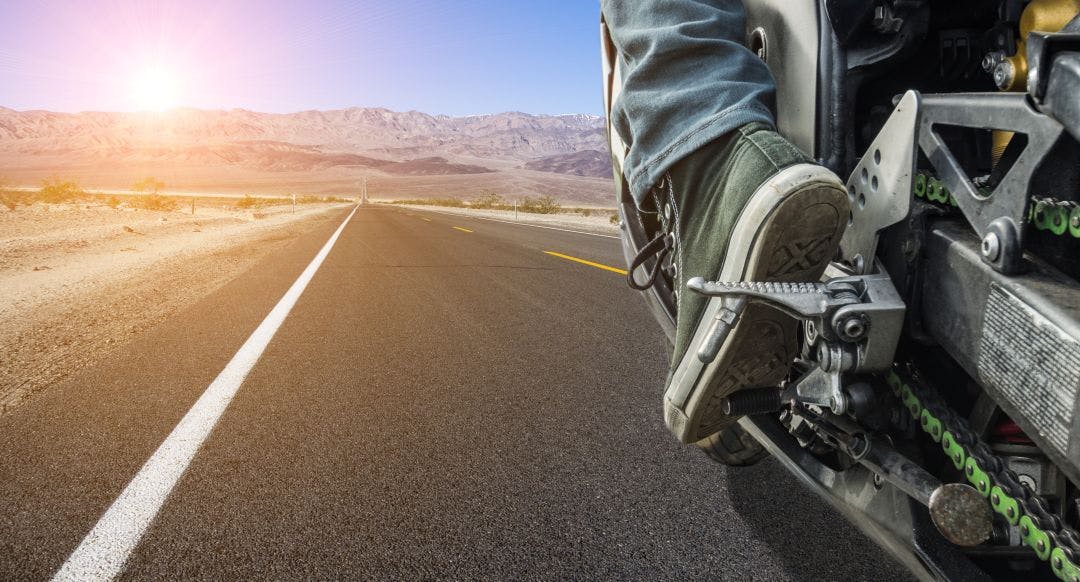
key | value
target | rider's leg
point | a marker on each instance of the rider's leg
(687, 81)
(740, 201)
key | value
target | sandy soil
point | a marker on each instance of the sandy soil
(599, 221)
(80, 280)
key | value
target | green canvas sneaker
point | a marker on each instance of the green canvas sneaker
(747, 207)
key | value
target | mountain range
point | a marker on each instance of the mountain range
(401, 153)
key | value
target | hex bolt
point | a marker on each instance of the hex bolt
(991, 246)
(853, 328)
(1003, 75)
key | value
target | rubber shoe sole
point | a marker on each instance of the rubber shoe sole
(789, 230)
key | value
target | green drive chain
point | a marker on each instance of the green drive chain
(1060, 217)
(1043, 532)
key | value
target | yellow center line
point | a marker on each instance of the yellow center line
(462, 229)
(589, 263)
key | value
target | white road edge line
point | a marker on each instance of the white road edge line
(104, 551)
(519, 223)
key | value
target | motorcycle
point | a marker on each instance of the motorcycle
(935, 399)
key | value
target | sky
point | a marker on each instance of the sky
(453, 57)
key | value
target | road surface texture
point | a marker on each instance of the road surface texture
(445, 400)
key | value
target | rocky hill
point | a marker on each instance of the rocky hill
(204, 148)
(584, 163)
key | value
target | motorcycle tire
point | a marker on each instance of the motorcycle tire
(733, 447)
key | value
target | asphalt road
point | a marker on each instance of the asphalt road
(445, 400)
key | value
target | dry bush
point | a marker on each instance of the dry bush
(13, 198)
(488, 200)
(154, 202)
(450, 202)
(542, 205)
(55, 190)
(248, 201)
(149, 184)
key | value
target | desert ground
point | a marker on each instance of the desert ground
(79, 280)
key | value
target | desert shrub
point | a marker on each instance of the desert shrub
(149, 184)
(309, 199)
(13, 198)
(55, 191)
(614, 218)
(586, 212)
(451, 202)
(542, 205)
(248, 201)
(113, 201)
(488, 200)
(155, 202)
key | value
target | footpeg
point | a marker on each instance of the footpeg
(851, 324)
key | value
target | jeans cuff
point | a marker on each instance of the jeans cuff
(644, 178)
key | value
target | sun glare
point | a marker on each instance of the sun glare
(156, 89)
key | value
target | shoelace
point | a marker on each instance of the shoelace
(658, 247)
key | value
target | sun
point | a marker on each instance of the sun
(156, 89)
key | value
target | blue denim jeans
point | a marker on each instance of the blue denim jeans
(687, 80)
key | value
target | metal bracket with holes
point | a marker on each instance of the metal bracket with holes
(879, 188)
(998, 217)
